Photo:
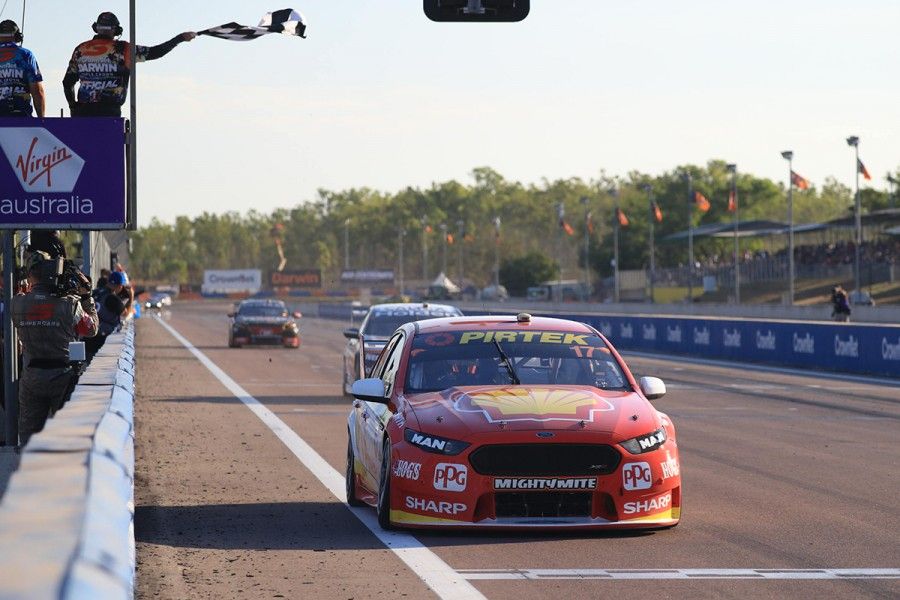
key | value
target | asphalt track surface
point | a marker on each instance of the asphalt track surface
(791, 486)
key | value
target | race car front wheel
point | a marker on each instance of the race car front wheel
(350, 480)
(384, 487)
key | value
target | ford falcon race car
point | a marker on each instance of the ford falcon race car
(510, 422)
(365, 343)
(258, 321)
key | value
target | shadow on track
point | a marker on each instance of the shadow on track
(330, 399)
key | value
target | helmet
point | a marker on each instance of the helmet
(107, 24)
(9, 28)
(117, 278)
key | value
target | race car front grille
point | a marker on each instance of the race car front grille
(559, 460)
(543, 504)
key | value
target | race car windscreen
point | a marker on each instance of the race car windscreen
(450, 359)
(258, 310)
(386, 324)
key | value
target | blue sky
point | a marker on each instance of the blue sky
(379, 96)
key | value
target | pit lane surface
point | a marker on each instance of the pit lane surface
(781, 472)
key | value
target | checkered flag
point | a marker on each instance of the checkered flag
(286, 21)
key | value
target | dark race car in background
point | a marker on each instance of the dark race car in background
(257, 321)
(379, 324)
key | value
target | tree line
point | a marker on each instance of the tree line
(312, 233)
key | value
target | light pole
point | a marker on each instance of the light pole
(461, 237)
(690, 205)
(788, 155)
(347, 244)
(732, 168)
(587, 243)
(424, 222)
(496, 251)
(400, 235)
(652, 214)
(444, 249)
(854, 141)
(616, 289)
(891, 183)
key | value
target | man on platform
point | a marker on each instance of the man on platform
(20, 76)
(102, 67)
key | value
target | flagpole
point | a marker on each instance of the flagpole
(424, 222)
(788, 155)
(649, 189)
(690, 204)
(732, 168)
(560, 212)
(444, 249)
(854, 141)
(401, 234)
(497, 251)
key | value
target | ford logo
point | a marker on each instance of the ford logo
(545, 434)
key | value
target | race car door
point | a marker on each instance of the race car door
(372, 416)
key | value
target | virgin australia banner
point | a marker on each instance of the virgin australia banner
(62, 173)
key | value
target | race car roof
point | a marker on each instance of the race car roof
(414, 307)
(261, 302)
(501, 322)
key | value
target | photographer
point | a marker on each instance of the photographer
(840, 304)
(58, 310)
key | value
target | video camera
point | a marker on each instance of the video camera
(63, 277)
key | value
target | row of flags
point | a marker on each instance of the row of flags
(702, 203)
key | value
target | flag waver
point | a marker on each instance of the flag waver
(285, 21)
(862, 170)
(701, 201)
(623, 219)
(801, 182)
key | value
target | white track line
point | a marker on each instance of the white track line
(538, 574)
(437, 575)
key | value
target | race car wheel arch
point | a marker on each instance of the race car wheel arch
(350, 475)
(384, 487)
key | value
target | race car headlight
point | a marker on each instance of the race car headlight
(645, 443)
(290, 328)
(433, 443)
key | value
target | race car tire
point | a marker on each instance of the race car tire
(231, 344)
(345, 388)
(384, 488)
(350, 476)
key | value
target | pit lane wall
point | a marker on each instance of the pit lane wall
(861, 348)
(67, 518)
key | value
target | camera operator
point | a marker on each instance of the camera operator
(110, 310)
(59, 309)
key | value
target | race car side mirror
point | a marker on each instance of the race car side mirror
(297, 314)
(652, 387)
(351, 333)
(231, 315)
(369, 390)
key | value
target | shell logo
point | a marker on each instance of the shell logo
(533, 404)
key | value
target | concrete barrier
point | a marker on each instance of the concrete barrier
(66, 520)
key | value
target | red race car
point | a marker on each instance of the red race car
(510, 422)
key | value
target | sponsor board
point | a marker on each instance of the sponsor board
(701, 336)
(367, 277)
(637, 476)
(432, 506)
(626, 331)
(648, 332)
(62, 173)
(731, 339)
(450, 477)
(646, 506)
(296, 278)
(805, 344)
(231, 281)
(545, 483)
(673, 334)
(405, 469)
